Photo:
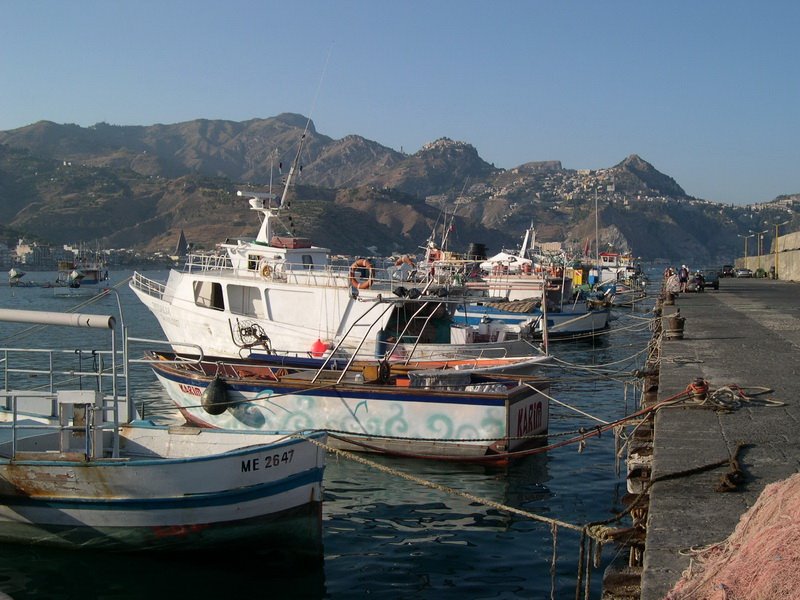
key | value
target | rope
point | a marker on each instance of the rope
(553, 560)
(565, 405)
(442, 488)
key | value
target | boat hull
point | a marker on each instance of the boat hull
(174, 494)
(565, 323)
(485, 419)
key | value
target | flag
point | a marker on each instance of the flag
(586, 246)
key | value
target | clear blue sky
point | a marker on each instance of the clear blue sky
(708, 91)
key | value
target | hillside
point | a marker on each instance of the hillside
(140, 186)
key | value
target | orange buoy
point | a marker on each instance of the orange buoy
(318, 348)
(356, 268)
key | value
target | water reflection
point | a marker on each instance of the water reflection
(43, 573)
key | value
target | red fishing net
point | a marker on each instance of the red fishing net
(761, 558)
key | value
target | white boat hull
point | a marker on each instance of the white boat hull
(172, 489)
(565, 323)
(421, 421)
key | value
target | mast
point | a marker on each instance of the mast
(256, 201)
(597, 240)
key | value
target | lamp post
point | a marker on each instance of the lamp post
(760, 235)
(775, 245)
(746, 237)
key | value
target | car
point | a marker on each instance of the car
(710, 279)
(727, 271)
(743, 273)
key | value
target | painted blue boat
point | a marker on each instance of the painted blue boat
(432, 413)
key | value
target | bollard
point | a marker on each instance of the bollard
(698, 389)
(670, 299)
(675, 329)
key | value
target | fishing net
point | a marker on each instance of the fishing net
(761, 558)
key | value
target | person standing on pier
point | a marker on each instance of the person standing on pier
(683, 277)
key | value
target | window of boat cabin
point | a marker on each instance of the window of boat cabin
(209, 295)
(245, 300)
(308, 261)
(253, 261)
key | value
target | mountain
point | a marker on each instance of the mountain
(139, 186)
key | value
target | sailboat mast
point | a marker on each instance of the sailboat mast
(597, 237)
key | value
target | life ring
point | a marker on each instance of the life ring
(266, 271)
(363, 284)
(405, 259)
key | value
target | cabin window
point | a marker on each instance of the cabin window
(253, 261)
(308, 261)
(209, 295)
(245, 300)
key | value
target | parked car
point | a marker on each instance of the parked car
(711, 277)
(727, 271)
(702, 279)
(744, 273)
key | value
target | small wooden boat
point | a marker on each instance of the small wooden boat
(431, 413)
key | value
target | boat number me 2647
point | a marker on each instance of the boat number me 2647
(267, 462)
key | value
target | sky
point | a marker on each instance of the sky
(707, 91)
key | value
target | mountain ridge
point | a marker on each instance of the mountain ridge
(141, 185)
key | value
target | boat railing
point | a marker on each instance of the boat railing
(379, 277)
(148, 286)
(207, 262)
(71, 390)
(65, 390)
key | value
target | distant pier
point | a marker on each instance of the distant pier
(746, 334)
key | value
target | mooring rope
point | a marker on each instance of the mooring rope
(442, 488)
(565, 405)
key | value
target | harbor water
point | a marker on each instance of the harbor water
(384, 536)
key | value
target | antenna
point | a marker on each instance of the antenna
(447, 227)
(305, 130)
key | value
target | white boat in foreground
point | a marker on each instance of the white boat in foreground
(78, 470)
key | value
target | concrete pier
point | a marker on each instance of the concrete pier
(747, 334)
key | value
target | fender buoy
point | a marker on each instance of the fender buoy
(356, 267)
(214, 398)
(318, 348)
(405, 259)
(266, 271)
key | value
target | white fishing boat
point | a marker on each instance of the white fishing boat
(618, 266)
(434, 413)
(86, 274)
(523, 274)
(575, 320)
(78, 470)
(281, 294)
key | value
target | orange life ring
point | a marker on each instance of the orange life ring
(363, 284)
(404, 259)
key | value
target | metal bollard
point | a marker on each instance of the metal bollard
(670, 299)
(675, 329)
